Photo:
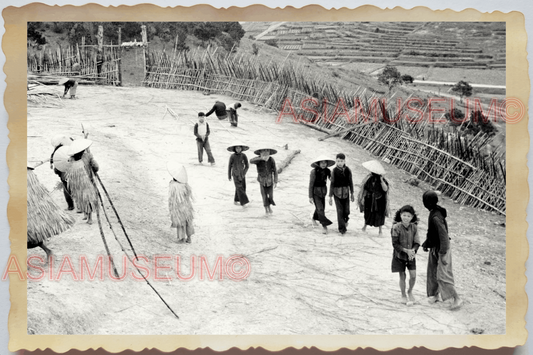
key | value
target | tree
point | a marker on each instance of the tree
(463, 89)
(205, 31)
(272, 42)
(407, 78)
(390, 76)
(458, 116)
(479, 122)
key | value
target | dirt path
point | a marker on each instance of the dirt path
(301, 281)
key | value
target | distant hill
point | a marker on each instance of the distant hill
(469, 45)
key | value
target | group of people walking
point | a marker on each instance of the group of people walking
(373, 201)
(75, 165)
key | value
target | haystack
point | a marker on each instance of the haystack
(45, 217)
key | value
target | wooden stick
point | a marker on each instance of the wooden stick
(129, 258)
(116, 213)
(287, 160)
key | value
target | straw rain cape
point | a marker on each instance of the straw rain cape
(82, 188)
(180, 204)
(45, 217)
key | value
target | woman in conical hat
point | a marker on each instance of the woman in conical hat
(180, 202)
(373, 197)
(237, 168)
(318, 190)
(45, 217)
(80, 178)
(267, 175)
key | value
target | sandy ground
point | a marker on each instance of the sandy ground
(301, 282)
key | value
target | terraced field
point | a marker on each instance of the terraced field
(457, 45)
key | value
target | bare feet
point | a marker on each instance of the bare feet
(236, 203)
(270, 210)
(457, 303)
(411, 300)
(314, 223)
(404, 299)
(364, 228)
(325, 230)
(433, 299)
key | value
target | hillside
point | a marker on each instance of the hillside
(468, 45)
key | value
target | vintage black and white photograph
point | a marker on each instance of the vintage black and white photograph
(266, 178)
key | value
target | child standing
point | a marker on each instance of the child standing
(342, 188)
(405, 242)
(267, 175)
(237, 168)
(201, 131)
(318, 190)
(180, 202)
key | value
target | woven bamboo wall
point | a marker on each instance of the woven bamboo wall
(59, 62)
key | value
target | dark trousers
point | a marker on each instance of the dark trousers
(267, 192)
(440, 276)
(66, 191)
(204, 145)
(233, 118)
(319, 215)
(240, 190)
(343, 211)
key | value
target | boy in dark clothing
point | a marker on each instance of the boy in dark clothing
(267, 175)
(237, 168)
(342, 188)
(219, 108)
(201, 131)
(318, 190)
(439, 275)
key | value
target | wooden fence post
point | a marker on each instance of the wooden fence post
(120, 56)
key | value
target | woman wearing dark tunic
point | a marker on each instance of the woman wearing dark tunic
(237, 168)
(373, 196)
(318, 190)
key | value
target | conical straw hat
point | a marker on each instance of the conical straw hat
(330, 162)
(375, 167)
(231, 148)
(272, 151)
(60, 139)
(177, 171)
(62, 81)
(61, 159)
(79, 145)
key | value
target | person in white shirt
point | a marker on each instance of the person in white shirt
(201, 131)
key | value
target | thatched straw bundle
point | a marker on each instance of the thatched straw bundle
(45, 217)
(82, 188)
(180, 204)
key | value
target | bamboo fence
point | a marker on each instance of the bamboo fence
(59, 61)
(449, 161)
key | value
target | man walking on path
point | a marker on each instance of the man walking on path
(201, 131)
